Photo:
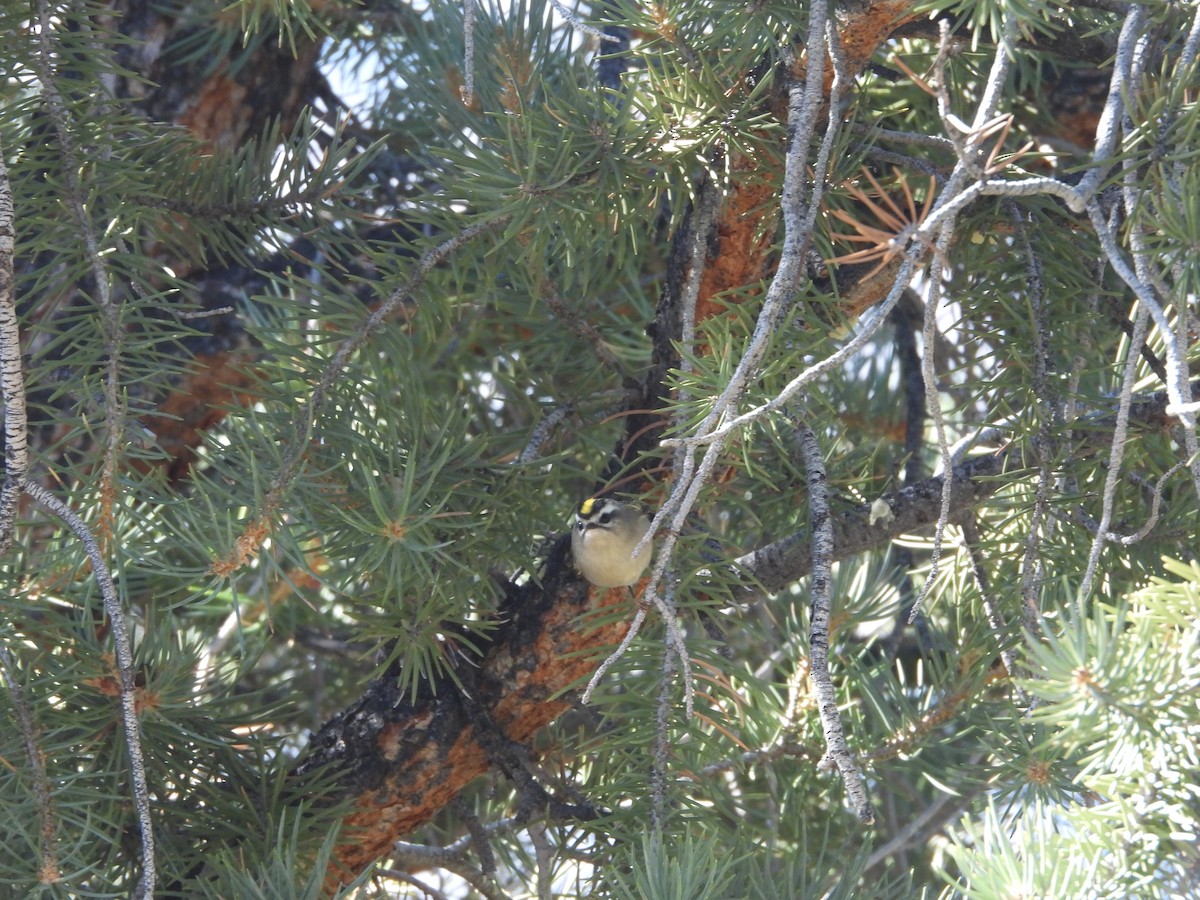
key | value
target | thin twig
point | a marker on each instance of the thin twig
(115, 421)
(1115, 456)
(917, 830)
(902, 137)
(12, 376)
(798, 219)
(972, 547)
(1155, 503)
(56, 112)
(933, 403)
(966, 166)
(455, 857)
(871, 323)
(1114, 106)
(114, 404)
(706, 207)
(951, 201)
(1176, 339)
(429, 260)
(124, 654)
(544, 854)
(819, 515)
(587, 333)
(662, 745)
(784, 750)
(771, 568)
(997, 187)
(581, 25)
(1179, 388)
(467, 91)
(425, 855)
(635, 626)
(477, 833)
(909, 162)
(203, 313)
(803, 105)
(664, 602)
(542, 431)
(1031, 561)
(1191, 48)
(411, 880)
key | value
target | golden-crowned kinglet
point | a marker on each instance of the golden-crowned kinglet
(603, 539)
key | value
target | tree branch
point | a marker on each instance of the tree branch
(402, 760)
(818, 633)
(125, 677)
(772, 568)
(12, 376)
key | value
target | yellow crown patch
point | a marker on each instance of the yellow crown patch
(585, 508)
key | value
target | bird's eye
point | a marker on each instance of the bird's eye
(606, 517)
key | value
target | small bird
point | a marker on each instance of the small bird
(602, 542)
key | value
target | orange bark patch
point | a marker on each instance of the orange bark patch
(199, 402)
(216, 115)
(861, 35)
(518, 689)
(745, 238)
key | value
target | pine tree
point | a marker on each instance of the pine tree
(884, 311)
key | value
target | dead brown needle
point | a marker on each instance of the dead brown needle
(896, 226)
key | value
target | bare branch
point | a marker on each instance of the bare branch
(803, 106)
(544, 853)
(12, 376)
(902, 137)
(405, 878)
(1152, 520)
(115, 421)
(972, 545)
(579, 25)
(917, 830)
(124, 653)
(869, 325)
(1176, 339)
(1178, 384)
(915, 508)
(542, 431)
(588, 334)
(1110, 119)
(798, 219)
(818, 636)
(662, 743)
(967, 165)
(467, 91)
(706, 207)
(635, 626)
